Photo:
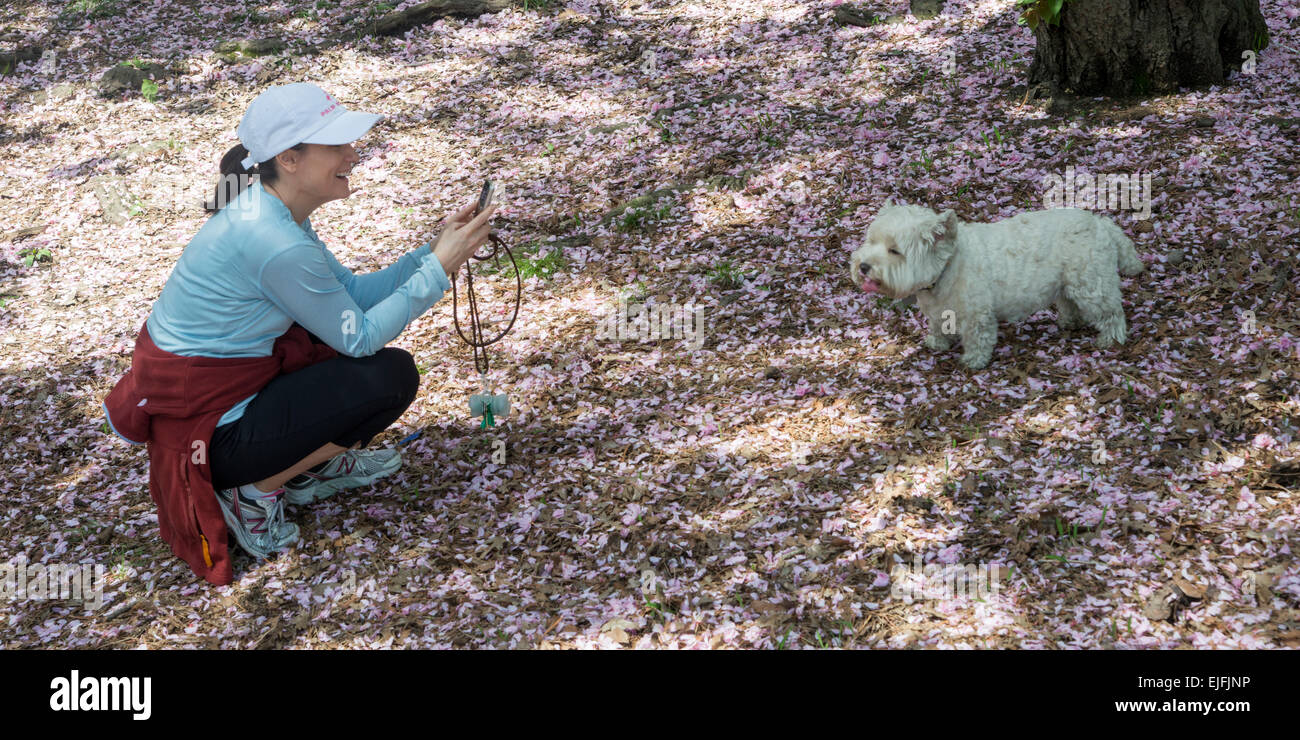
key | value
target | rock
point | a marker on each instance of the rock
(126, 78)
(1203, 122)
(110, 198)
(58, 92)
(1175, 257)
(772, 372)
(1144, 227)
(926, 9)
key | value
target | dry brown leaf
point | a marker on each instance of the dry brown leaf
(1190, 590)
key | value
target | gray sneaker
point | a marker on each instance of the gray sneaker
(258, 526)
(348, 469)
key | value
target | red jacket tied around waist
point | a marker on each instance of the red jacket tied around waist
(173, 404)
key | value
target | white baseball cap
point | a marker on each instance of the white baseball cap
(298, 113)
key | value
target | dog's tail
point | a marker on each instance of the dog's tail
(1129, 262)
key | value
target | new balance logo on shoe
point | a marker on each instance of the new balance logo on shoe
(349, 469)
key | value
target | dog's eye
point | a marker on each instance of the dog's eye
(895, 251)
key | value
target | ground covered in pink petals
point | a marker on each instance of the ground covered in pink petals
(758, 489)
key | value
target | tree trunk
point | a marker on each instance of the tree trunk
(1123, 47)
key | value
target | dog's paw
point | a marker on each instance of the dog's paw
(1111, 333)
(1107, 342)
(936, 342)
(975, 362)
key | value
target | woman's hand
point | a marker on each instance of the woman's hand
(462, 235)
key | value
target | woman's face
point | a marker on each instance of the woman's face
(317, 172)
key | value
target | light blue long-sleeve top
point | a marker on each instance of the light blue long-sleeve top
(251, 272)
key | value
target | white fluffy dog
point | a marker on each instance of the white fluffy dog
(969, 276)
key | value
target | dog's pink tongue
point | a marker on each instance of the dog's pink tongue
(870, 286)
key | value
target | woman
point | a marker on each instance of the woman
(242, 407)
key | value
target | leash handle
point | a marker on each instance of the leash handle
(478, 344)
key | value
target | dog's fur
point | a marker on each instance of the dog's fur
(1004, 271)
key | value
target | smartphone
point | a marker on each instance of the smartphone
(486, 197)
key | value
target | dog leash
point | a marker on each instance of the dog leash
(487, 404)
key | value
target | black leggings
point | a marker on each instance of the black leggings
(345, 400)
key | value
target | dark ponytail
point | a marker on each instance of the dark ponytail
(234, 178)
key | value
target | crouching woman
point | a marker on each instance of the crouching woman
(261, 373)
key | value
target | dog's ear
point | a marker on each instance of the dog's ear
(944, 231)
(945, 226)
